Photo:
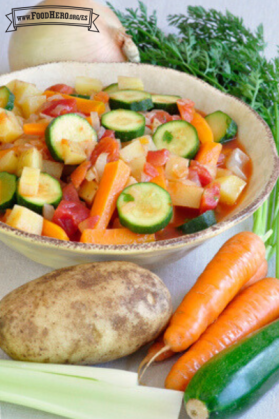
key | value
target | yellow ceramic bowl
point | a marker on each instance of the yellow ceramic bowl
(253, 133)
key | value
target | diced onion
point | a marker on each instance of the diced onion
(236, 161)
(100, 164)
(101, 132)
(48, 212)
(95, 121)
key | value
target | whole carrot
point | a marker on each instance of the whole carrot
(252, 309)
(159, 345)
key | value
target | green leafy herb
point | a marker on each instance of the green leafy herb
(219, 49)
(128, 197)
(167, 137)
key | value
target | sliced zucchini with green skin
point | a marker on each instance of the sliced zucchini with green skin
(167, 103)
(111, 88)
(135, 100)
(81, 96)
(144, 208)
(236, 378)
(224, 128)
(50, 192)
(126, 124)
(203, 221)
(7, 98)
(7, 190)
(70, 127)
(179, 137)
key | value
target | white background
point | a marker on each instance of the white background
(16, 270)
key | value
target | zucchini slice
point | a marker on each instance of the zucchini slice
(7, 190)
(203, 221)
(111, 88)
(144, 208)
(49, 192)
(7, 98)
(126, 124)
(179, 137)
(167, 103)
(224, 128)
(70, 127)
(81, 96)
(135, 100)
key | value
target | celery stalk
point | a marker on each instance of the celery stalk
(108, 375)
(83, 398)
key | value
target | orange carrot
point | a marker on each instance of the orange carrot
(252, 309)
(160, 179)
(102, 97)
(205, 133)
(84, 105)
(159, 344)
(115, 236)
(53, 230)
(37, 128)
(78, 175)
(114, 179)
(233, 266)
(209, 153)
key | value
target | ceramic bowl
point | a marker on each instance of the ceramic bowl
(253, 133)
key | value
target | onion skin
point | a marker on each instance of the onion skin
(35, 45)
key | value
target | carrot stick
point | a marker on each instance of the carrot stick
(160, 179)
(252, 309)
(37, 128)
(205, 133)
(53, 230)
(78, 175)
(115, 236)
(209, 153)
(114, 179)
(159, 344)
(84, 105)
(234, 264)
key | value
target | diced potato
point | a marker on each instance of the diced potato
(222, 172)
(31, 104)
(9, 162)
(88, 191)
(133, 83)
(22, 90)
(10, 129)
(132, 151)
(30, 158)
(231, 188)
(73, 153)
(11, 85)
(17, 111)
(26, 220)
(87, 85)
(212, 168)
(53, 168)
(137, 166)
(176, 168)
(29, 181)
(185, 195)
(147, 142)
(131, 181)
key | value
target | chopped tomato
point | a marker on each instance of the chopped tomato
(78, 175)
(210, 197)
(158, 157)
(89, 223)
(176, 117)
(69, 215)
(59, 107)
(102, 97)
(221, 160)
(62, 88)
(150, 170)
(106, 145)
(161, 116)
(70, 193)
(202, 172)
(186, 109)
(108, 133)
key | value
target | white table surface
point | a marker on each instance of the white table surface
(180, 276)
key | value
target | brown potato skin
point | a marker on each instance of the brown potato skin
(85, 314)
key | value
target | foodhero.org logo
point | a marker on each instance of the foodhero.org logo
(52, 15)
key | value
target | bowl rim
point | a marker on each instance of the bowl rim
(175, 243)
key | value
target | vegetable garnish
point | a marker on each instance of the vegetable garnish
(167, 136)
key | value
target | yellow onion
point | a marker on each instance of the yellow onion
(34, 45)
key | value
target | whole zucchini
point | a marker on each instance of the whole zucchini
(236, 378)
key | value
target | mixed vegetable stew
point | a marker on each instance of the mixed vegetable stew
(114, 165)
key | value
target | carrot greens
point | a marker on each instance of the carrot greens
(218, 48)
